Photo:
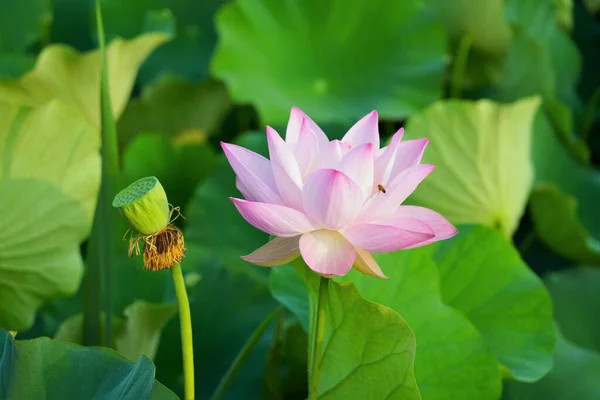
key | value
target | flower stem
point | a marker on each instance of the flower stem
(185, 325)
(460, 65)
(317, 335)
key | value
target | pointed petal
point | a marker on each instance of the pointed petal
(273, 219)
(384, 205)
(366, 264)
(358, 165)
(382, 238)
(254, 172)
(442, 229)
(365, 130)
(297, 119)
(308, 147)
(409, 153)
(243, 189)
(276, 252)
(327, 252)
(330, 156)
(385, 160)
(331, 198)
(285, 170)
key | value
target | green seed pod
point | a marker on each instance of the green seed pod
(145, 206)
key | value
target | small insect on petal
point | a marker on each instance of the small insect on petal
(381, 188)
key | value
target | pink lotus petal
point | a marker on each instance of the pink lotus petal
(384, 205)
(254, 172)
(243, 189)
(384, 163)
(276, 252)
(365, 130)
(308, 147)
(442, 229)
(358, 165)
(383, 238)
(273, 219)
(330, 156)
(297, 120)
(285, 170)
(331, 198)
(366, 264)
(409, 153)
(327, 252)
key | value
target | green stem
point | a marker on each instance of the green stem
(527, 242)
(242, 356)
(460, 65)
(317, 334)
(185, 325)
(588, 117)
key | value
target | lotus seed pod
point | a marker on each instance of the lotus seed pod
(145, 206)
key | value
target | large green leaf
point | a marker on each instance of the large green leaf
(179, 165)
(482, 154)
(138, 333)
(22, 23)
(213, 222)
(188, 54)
(577, 360)
(226, 309)
(363, 342)
(175, 107)
(484, 24)
(576, 303)
(574, 376)
(49, 178)
(564, 202)
(452, 360)
(51, 369)
(336, 60)
(62, 73)
(483, 276)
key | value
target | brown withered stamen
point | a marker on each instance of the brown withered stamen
(164, 249)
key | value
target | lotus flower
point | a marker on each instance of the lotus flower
(334, 202)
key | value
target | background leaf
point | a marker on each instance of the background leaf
(49, 180)
(482, 154)
(394, 64)
(62, 73)
(51, 369)
(484, 277)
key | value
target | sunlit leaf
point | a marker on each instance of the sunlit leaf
(63, 73)
(482, 151)
(55, 370)
(174, 107)
(483, 276)
(49, 178)
(336, 60)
